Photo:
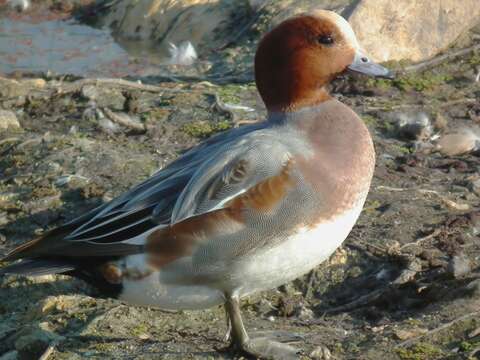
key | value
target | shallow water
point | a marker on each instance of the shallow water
(64, 46)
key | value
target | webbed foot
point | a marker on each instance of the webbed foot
(260, 347)
(264, 348)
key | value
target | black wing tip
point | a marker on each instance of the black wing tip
(36, 267)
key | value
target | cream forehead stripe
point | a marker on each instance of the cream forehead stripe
(342, 25)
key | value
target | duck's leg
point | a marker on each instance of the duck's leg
(261, 347)
(228, 335)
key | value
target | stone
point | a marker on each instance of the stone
(459, 266)
(10, 88)
(321, 353)
(89, 92)
(404, 29)
(35, 83)
(474, 218)
(474, 288)
(50, 305)
(459, 142)
(104, 97)
(305, 313)
(440, 122)
(8, 120)
(165, 21)
(409, 29)
(403, 334)
(340, 257)
(33, 341)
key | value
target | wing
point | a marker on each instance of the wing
(102, 231)
(237, 168)
(151, 203)
(230, 204)
(230, 195)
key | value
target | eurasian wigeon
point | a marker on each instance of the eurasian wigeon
(247, 210)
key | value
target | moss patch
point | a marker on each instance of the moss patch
(44, 191)
(369, 120)
(204, 129)
(231, 93)
(423, 82)
(420, 351)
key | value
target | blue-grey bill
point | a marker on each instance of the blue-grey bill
(364, 65)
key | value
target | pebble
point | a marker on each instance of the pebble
(51, 304)
(104, 97)
(4, 218)
(475, 186)
(440, 122)
(32, 342)
(321, 353)
(90, 92)
(108, 126)
(304, 313)
(340, 257)
(264, 306)
(67, 179)
(90, 114)
(474, 333)
(36, 83)
(459, 266)
(474, 288)
(474, 218)
(461, 142)
(8, 120)
(402, 334)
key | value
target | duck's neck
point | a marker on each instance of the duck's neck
(298, 100)
(278, 112)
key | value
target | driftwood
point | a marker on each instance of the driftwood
(47, 353)
(121, 83)
(438, 329)
(424, 65)
(125, 120)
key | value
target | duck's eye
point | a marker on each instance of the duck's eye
(325, 39)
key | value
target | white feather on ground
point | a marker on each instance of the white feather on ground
(20, 5)
(183, 54)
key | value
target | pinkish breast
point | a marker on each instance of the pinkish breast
(341, 165)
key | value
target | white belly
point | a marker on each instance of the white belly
(150, 291)
(265, 270)
(297, 256)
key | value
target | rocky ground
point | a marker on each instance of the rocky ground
(406, 284)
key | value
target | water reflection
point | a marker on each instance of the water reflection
(67, 47)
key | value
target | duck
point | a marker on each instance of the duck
(245, 211)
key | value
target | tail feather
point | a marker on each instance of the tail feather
(25, 250)
(51, 253)
(87, 273)
(37, 267)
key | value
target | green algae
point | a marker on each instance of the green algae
(204, 129)
(420, 351)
